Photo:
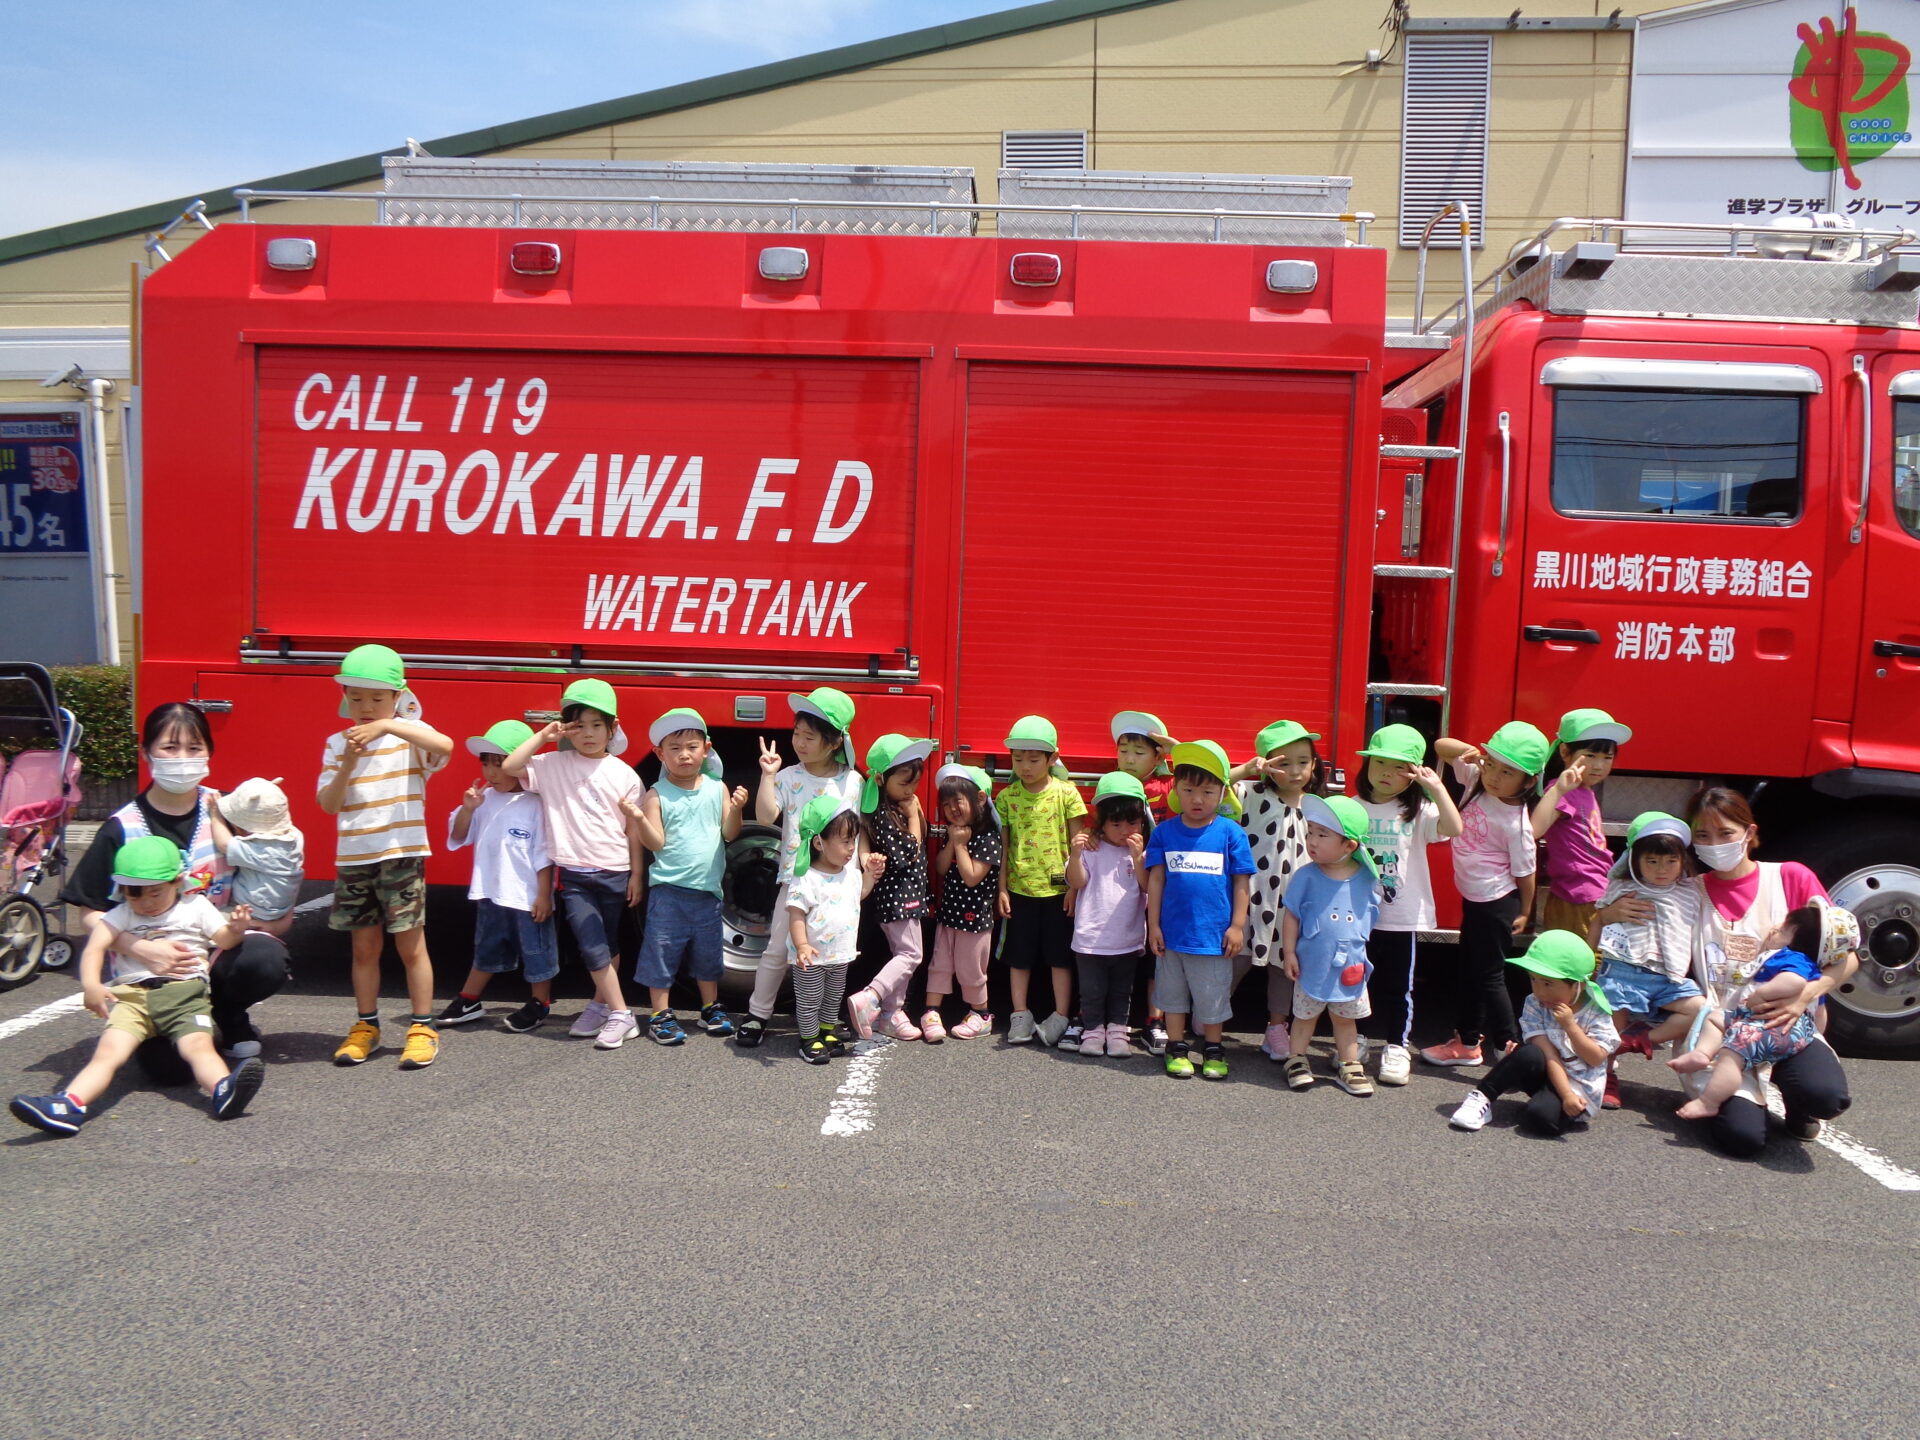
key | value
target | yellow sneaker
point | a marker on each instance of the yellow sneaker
(423, 1044)
(361, 1042)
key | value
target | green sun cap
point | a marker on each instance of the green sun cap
(373, 667)
(1119, 782)
(1657, 822)
(831, 705)
(1143, 722)
(674, 721)
(1033, 732)
(889, 752)
(1280, 732)
(1521, 745)
(149, 860)
(1397, 742)
(1578, 725)
(817, 815)
(1343, 815)
(501, 739)
(1563, 955)
(594, 694)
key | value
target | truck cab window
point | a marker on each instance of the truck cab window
(1906, 463)
(1678, 454)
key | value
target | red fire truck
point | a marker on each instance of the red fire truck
(719, 433)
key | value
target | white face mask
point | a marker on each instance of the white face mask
(1721, 857)
(179, 777)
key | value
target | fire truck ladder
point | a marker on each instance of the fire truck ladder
(1443, 692)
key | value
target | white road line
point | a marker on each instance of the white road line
(1864, 1158)
(852, 1110)
(65, 1005)
(319, 902)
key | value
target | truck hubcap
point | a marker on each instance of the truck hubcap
(1886, 898)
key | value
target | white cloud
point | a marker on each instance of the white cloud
(775, 28)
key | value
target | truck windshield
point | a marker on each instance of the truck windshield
(1685, 455)
(1906, 463)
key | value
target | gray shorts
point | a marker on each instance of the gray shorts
(1200, 986)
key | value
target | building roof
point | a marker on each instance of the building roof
(732, 85)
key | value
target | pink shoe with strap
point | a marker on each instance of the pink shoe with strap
(896, 1025)
(977, 1023)
(931, 1029)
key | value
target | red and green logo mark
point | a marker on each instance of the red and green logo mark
(1848, 97)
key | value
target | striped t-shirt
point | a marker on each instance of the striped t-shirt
(385, 814)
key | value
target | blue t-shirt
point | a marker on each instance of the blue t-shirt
(1786, 962)
(1196, 905)
(1336, 917)
(694, 857)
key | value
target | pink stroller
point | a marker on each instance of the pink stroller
(39, 791)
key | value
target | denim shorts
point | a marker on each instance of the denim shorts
(593, 901)
(683, 929)
(1644, 992)
(505, 940)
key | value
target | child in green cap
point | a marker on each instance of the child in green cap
(1331, 906)
(822, 912)
(895, 828)
(1566, 1039)
(1574, 867)
(968, 865)
(1040, 811)
(1408, 809)
(138, 1004)
(1286, 768)
(823, 766)
(1108, 874)
(584, 788)
(373, 776)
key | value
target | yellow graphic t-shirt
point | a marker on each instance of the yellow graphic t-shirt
(1037, 825)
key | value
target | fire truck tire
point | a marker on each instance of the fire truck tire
(23, 936)
(1871, 865)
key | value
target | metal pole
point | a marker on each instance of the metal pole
(1460, 461)
(103, 572)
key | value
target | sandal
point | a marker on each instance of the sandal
(1351, 1076)
(932, 1031)
(1299, 1073)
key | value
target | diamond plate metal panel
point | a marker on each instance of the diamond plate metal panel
(679, 195)
(1139, 191)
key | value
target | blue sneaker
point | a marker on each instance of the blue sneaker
(665, 1029)
(55, 1114)
(715, 1021)
(231, 1095)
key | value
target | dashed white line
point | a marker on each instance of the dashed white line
(852, 1110)
(65, 1005)
(1864, 1158)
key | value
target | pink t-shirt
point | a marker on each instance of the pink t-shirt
(1733, 898)
(1577, 859)
(1110, 917)
(587, 830)
(1494, 847)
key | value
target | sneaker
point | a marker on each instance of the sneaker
(863, 1009)
(815, 1050)
(715, 1020)
(620, 1027)
(978, 1022)
(895, 1025)
(1350, 1077)
(238, 1039)
(1119, 1047)
(231, 1095)
(1073, 1035)
(1213, 1063)
(422, 1047)
(591, 1021)
(1473, 1112)
(1395, 1065)
(1020, 1027)
(932, 1029)
(360, 1043)
(836, 1038)
(664, 1027)
(750, 1032)
(1451, 1053)
(1299, 1073)
(1802, 1129)
(1610, 1095)
(1178, 1065)
(1093, 1040)
(1156, 1034)
(528, 1018)
(1051, 1029)
(462, 1012)
(1278, 1043)
(55, 1114)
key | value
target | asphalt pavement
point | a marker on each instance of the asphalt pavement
(532, 1238)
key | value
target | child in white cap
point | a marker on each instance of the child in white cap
(254, 832)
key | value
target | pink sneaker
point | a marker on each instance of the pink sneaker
(1452, 1053)
(1278, 1044)
(1118, 1046)
(896, 1024)
(862, 1009)
(931, 1029)
(1094, 1041)
(976, 1023)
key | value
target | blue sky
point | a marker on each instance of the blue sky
(119, 104)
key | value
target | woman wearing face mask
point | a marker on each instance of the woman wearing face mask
(178, 747)
(1750, 899)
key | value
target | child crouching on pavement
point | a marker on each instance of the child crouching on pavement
(137, 1004)
(256, 836)
(823, 915)
(1566, 1039)
(1331, 904)
(512, 889)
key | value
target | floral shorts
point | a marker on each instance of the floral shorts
(1750, 1039)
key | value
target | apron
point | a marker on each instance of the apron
(206, 871)
(1732, 958)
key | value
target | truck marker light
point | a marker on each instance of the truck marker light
(534, 257)
(288, 253)
(1292, 277)
(783, 262)
(1035, 268)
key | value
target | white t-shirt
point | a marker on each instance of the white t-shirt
(586, 828)
(1589, 1080)
(831, 904)
(193, 921)
(1399, 848)
(793, 787)
(508, 834)
(1495, 845)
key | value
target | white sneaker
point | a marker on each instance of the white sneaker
(1020, 1027)
(1395, 1065)
(590, 1021)
(1052, 1028)
(1473, 1113)
(620, 1027)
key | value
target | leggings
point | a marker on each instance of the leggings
(1106, 987)
(817, 992)
(905, 940)
(1477, 986)
(1525, 1070)
(1813, 1087)
(1390, 989)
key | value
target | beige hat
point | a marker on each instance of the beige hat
(259, 807)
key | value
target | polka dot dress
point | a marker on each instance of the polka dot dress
(1277, 833)
(901, 891)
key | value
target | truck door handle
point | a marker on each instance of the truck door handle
(1561, 637)
(1895, 650)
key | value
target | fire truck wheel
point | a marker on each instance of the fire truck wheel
(1871, 866)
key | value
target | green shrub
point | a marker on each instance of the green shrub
(101, 699)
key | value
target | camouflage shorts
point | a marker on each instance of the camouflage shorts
(392, 893)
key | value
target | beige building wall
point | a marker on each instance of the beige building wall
(1250, 86)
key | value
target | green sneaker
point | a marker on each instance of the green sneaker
(1213, 1065)
(1178, 1065)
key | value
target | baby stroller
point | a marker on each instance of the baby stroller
(39, 791)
